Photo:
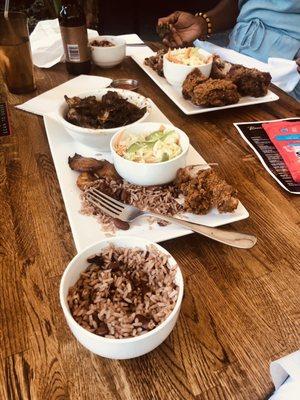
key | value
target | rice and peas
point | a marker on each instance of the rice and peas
(124, 292)
(159, 199)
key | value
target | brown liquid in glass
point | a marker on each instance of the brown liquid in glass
(16, 62)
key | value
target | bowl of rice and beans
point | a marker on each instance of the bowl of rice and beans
(121, 297)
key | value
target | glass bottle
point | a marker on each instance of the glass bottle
(74, 36)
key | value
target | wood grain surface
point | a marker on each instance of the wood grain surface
(240, 310)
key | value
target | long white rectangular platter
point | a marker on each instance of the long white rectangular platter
(175, 94)
(86, 230)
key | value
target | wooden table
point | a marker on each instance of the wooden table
(241, 308)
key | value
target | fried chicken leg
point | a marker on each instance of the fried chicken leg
(249, 81)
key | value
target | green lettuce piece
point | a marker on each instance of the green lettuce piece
(165, 157)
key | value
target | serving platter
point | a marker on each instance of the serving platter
(86, 230)
(175, 94)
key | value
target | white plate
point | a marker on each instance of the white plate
(186, 106)
(86, 230)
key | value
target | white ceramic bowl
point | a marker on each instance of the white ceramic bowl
(108, 57)
(146, 174)
(175, 73)
(100, 138)
(116, 348)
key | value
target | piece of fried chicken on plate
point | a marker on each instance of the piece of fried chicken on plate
(193, 79)
(249, 81)
(215, 93)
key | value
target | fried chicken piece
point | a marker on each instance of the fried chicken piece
(204, 189)
(193, 79)
(84, 164)
(215, 93)
(224, 196)
(220, 68)
(249, 81)
(156, 62)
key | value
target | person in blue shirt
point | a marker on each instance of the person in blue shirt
(260, 28)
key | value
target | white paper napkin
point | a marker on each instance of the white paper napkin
(284, 75)
(46, 44)
(47, 101)
(285, 374)
(284, 72)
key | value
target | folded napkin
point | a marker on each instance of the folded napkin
(48, 101)
(285, 374)
(47, 48)
(284, 72)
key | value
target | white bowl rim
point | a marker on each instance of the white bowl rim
(92, 131)
(135, 240)
(149, 164)
(190, 66)
(112, 37)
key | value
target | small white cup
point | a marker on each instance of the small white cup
(175, 73)
(108, 57)
(148, 174)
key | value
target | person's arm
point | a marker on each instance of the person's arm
(298, 63)
(186, 27)
(224, 15)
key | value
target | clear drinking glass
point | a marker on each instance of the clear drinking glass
(15, 53)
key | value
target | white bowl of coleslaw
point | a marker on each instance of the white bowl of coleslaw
(149, 153)
(178, 63)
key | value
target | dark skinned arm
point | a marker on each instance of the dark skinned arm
(186, 27)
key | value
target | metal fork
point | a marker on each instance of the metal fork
(136, 44)
(124, 212)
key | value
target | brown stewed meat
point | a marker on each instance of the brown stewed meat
(111, 111)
